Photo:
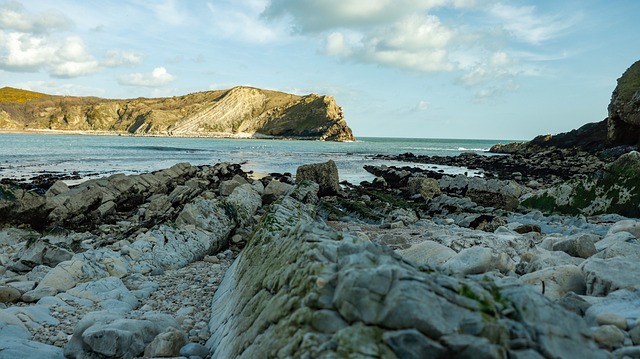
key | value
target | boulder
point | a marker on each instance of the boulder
(427, 188)
(275, 190)
(103, 334)
(9, 294)
(581, 246)
(427, 253)
(12, 348)
(603, 276)
(325, 174)
(166, 344)
(556, 282)
(300, 288)
(476, 260)
(631, 226)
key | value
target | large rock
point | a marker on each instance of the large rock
(616, 191)
(607, 275)
(301, 289)
(624, 109)
(325, 174)
(427, 253)
(556, 282)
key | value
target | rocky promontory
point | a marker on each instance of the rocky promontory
(238, 112)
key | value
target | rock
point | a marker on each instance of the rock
(41, 252)
(166, 344)
(194, 350)
(325, 174)
(103, 290)
(68, 274)
(226, 187)
(620, 249)
(626, 353)
(634, 334)
(300, 288)
(577, 246)
(57, 188)
(611, 239)
(609, 336)
(105, 334)
(556, 282)
(623, 120)
(38, 293)
(527, 228)
(427, 253)
(275, 190)
(11, 348)
(611, 319)
(622, 303)
(476, 260)
(9, 294)
(412, 344)
(12, 327)
(427, 188)
(603, 276)
(539, 259)
(628, 225)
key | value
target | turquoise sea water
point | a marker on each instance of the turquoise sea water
(23, 155)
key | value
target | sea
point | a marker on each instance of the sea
(23, 156)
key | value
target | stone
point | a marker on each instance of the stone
(556, 282)
(611, 319)
(166, 344)
(609, 336)
(611, 239)
(68, 274)
(603, 276)
(427, 188)
(226, 187)
(325, 174)
(101, 290)
(12, 327)
(628, 225)
(627, 353)
(427, 253)
(11, 348)
(634, 334)
(194, 350)
(275, 190)
(538, 259)
(412, 344)
(527, 228)
(476, 260)
(621, 303)
(42, 252)
(57, 188)
(297, 278)
(620, 249)
(581, 246)
(38, 293)
(9, 294)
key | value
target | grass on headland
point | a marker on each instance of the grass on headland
(10, 94)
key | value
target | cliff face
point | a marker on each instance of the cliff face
(624, 109)
(238, 111)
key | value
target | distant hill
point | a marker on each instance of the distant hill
(10, 94)
(237, 112)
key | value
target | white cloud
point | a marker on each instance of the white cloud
(422, 106)
(241, 20)
(23, 52)
(13, 16)
(157, 78)
(115, 58)
(526, 25)
(169, 12)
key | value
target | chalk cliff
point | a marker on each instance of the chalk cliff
(238, 112)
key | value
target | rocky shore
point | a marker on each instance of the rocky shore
(205, 261)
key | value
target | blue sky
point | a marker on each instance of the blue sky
(399, 68)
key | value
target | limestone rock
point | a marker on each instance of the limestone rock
(427, 188)
(275, 190)
(299, 288)
(555, 282)
(476, 260)
(11, 348)
(607, 275)
(428, 253)
(9, 294)
(577, 246)
(242, 110)
(325, 174)
(166, 344)
(624, 121)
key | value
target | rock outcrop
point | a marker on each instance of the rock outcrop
(301, 289)
(240, 111)
(624, 109)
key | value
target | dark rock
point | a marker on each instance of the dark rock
(624, 109)
(324, 174)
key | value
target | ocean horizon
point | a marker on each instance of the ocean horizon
(26, 155)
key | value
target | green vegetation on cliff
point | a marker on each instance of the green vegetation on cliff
(10, 94)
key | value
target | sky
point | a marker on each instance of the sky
(399, 68)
